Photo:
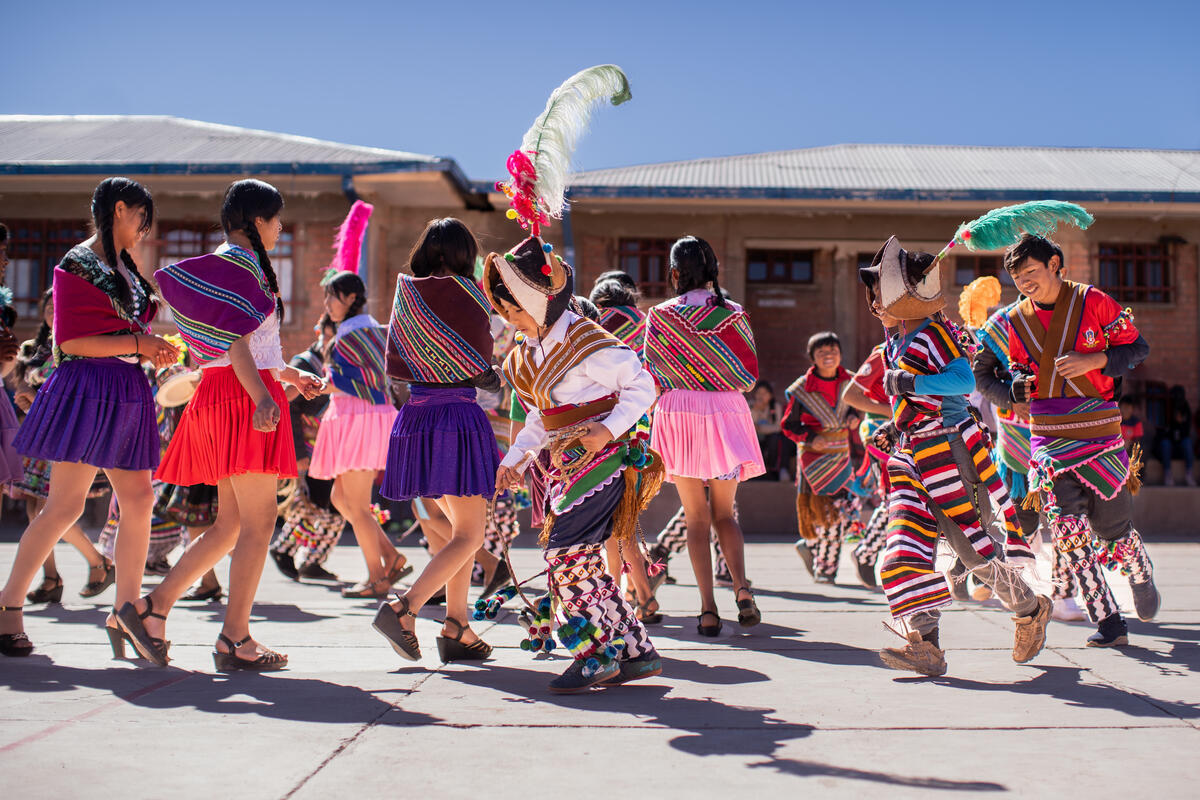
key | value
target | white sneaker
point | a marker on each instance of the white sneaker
(1067, 610)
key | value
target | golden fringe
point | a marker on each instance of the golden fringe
(1033, 500)
(637, 497)
(813, 511)
(1134, 481)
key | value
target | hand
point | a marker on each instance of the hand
(309, 385)
(1021, 410)
(596, 438)
(1076, 364)
(157, 350)
(24, 398)
(885, 437)
(898, 382)
(508, 478)
(824, 442)
(266, 416)
(1022, 388)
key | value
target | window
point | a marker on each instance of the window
(179, 240)
(779, 266)
(968, 268)
(34, 249)
(646, 260)
(1136, 273)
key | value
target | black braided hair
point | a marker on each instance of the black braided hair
(343, 283)
(246, 202)
(615, 288)
(104, 204)
(697, 265)
(42, 339)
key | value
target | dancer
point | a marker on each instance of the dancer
(442, 449)
(819, 422)
(311, 526)
(96, 410)
(352, 441)
(234, 432)
(1069, 346)
(35, 364)
(942, 480)
(700, 349)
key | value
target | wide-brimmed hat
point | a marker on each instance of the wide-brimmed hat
(900, 281)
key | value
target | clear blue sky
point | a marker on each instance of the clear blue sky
(465, 79)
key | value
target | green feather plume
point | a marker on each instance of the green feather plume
(1002, 227)
(552, 139)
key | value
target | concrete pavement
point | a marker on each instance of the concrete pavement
(798, 704)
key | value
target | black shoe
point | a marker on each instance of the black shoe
(316, 572)
(202, 595)
(635, 669)
(49, 592)
(711, 631)
(286, 564)
(160, 567)
(1146, 599)
(93, 588)
(866, 574)
(806, 556)
(1111, 632)
(438, 599)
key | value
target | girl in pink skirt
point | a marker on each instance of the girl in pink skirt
(700, 349)
(352, 442)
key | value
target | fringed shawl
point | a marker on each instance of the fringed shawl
(702, 348)
(216, 299)
(439, 331)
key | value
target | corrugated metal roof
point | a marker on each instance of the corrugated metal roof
(61, 144)
(880, 171)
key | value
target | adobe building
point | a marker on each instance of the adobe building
(789, 227)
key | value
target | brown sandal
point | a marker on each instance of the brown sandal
(269, 661)
(371, 589)
(387, 622)
(130, 620)
(453, 648)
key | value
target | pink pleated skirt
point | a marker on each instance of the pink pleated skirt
(706, 435)
(353, 435)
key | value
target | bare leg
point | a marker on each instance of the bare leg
(351, 496)
(209, 579)
(135, 496)
(451, 566)
(721, 495)
(80, 541)
(69, 484)
(257, 508)
(699, 520)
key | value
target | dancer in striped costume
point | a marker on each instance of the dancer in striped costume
(1070, 345)
(942, 480)
(819, 421)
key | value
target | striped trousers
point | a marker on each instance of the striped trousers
(583, 588)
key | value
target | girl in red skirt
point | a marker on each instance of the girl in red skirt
(235, 433)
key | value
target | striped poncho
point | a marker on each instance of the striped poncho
(356, 359)
(216, 299)
(627, 323)
(705, 348)
(439, 331)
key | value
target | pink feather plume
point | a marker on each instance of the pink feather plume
(347, 244)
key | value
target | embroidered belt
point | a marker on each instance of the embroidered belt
(572, 414)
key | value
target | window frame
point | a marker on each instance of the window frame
(787, 256)
(647, 247)
(56, 237)
(1139, 291)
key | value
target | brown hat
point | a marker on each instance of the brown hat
(900, 281)
(540, 281)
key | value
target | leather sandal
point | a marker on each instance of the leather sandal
(14, 645)
(387, 622)
(708, 630)
(399, 568)
(50, 591)
(645, 615)
(269, 661)
(148, 647)
(453, 648)
(748, 613)
(371, 589)
(107, 579)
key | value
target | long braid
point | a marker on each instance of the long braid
(264, 262)
(711, 269)
(104, 220)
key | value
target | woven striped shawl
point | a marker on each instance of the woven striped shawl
(702, 348)
(627, 323)
(439, 331)
(356, 359)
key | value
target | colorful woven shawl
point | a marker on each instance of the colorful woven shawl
(216, 299)
(702, 348)
(627, 323)
(439, 331)
(84, 293)
(1102, 464)
(356, 358)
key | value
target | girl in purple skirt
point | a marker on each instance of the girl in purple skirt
(96, 411)
(442, 446)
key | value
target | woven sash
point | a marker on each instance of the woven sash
(1044, 346)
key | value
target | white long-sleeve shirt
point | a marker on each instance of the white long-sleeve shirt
(611, 370)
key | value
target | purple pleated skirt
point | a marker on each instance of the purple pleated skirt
(12, 466)
(441, 444)
(96, 411)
